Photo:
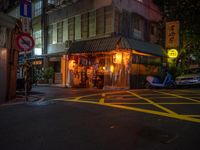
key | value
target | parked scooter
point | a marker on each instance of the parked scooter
(155, 82)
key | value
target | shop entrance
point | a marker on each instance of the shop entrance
(103, 70)
(86, 71)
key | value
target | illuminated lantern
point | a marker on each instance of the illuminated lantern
(172, 53)
(117, 58)
(112, 68)
(71, 64)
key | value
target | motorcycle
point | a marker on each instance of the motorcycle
(155, 82)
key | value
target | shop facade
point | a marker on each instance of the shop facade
(110, 63)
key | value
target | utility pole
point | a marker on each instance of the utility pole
(25, 76)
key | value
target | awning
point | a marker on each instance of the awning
(92, 46)
(145, 47)
(109, 44)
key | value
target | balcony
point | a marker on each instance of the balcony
(54, 5)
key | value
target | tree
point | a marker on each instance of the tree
(48, 73)
(187, 12)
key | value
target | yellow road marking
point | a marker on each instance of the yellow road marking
(102, 99)
(192, 115)
(179, 96)
(170, 115)
(79, 97)
(121, 103)
(190, 91)
(153, 103)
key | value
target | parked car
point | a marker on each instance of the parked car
(189, 78)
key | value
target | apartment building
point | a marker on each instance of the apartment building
(85, 39)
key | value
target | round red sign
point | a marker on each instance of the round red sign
(25, 42)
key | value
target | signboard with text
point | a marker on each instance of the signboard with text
(172, 34)
(25, 8)
(26, 14)
(26, 24)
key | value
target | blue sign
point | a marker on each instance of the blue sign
(25, 8)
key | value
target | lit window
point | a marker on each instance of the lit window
(38, 8)
(38, 39)
(37, 51)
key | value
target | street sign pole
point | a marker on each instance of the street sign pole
(25, 76)
(26, 43)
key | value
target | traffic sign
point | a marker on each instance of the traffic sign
(26, 24)
(25, 8)
(25, 42)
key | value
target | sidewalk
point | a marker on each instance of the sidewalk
(20, 99)
(51, 85)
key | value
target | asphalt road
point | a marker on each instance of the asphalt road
(88, 119)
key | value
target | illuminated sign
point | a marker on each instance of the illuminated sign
(172, 53)
(172, 34)
(37, 62)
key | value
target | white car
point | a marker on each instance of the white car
(190, 77)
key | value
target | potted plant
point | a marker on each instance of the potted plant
(49, 73)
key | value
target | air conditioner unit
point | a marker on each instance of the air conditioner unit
(68, 43)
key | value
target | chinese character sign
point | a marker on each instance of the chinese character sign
(25, 8)
(172, 34)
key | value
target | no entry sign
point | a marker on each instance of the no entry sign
(25, 42)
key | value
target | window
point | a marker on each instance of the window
(84, 25)
(55, 2)
(108, 19)
(117, 22)
(52, 2)
(38, 42)
(136, 22)
(60, 32)
(77, 27)
(50, 34)
(146, 60)
(38, 8)
(71, 28)
(100, 21)
(38, 38)
(92, 23)
(153, 29)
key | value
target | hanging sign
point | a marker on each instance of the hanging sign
(172, 34)
(172, 53)
(25, 8)
(25, 42)
(26, 24)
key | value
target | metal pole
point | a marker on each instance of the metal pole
(25, 75)
(65, 72)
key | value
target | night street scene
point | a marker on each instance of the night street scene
(99, 74)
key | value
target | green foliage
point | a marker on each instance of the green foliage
(187, 12)
(48, 73)
(38, 75)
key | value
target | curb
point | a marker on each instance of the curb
(21, 100)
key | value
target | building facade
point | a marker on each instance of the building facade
(85, 37)
(8, 57)
(104, 43)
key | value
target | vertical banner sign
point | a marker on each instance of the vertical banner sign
(25, 8)
(26, 24)
(26, 13)
(172, 34)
